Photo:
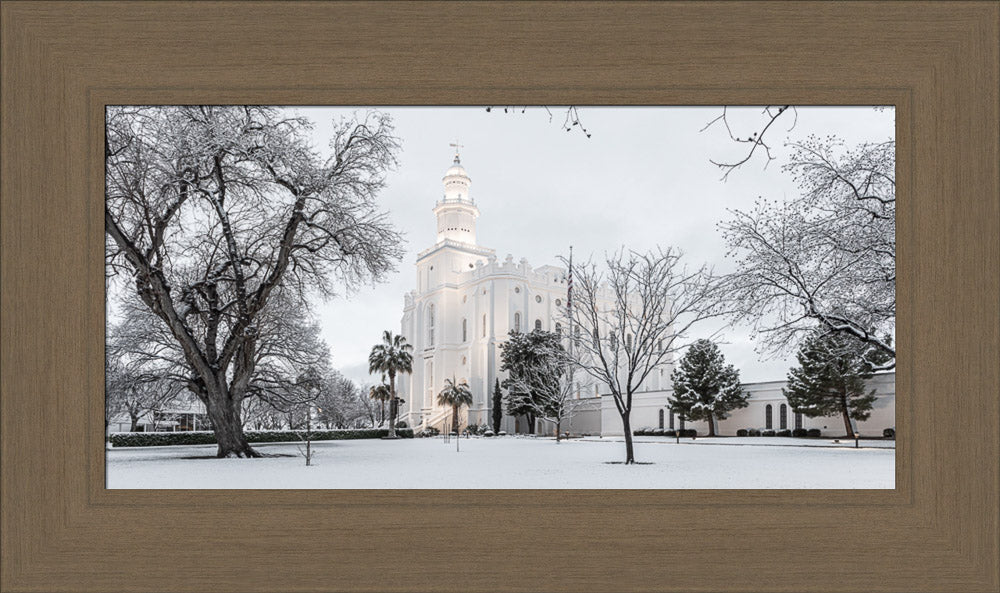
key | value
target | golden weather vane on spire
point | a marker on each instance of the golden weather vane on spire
(456, 146)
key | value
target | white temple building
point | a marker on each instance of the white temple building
(465, 303)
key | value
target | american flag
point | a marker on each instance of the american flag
(569, 286)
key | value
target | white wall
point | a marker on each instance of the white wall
(646, 407)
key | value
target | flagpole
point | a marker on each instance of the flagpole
(569, 313)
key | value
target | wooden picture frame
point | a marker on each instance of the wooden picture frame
(936, 62)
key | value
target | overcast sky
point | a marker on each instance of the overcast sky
(642, 179)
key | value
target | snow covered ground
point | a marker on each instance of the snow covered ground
(517, 462)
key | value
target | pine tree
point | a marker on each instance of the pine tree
(705, 387)
(830, 379)
(534, 366)
(497, 406)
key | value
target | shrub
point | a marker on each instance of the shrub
(753, 432)
(657, 432)
(637, 432)
(799, 432)
(669, 433)
(157, 439)
(784, 433)
(430, 431)
(471, 429)
(741, 432)
(813, 432)
(401, 424)
(889, 433)
(488, 433)
(688, 432)
(502, 433)
(767, 433)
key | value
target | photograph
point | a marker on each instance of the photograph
(500, 297)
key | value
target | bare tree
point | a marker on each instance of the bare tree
(135, 392)
(210, 210)
(826, 259)
(629, 318)
(756, 140)
(569, 116)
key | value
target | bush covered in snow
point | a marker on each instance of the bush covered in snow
(889, 433)
(156, 439)
(813, 432)
(784, 433)
(742, 432)
(800, 432)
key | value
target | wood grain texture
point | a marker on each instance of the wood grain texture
(938, 63)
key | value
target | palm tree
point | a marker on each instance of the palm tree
(391, 357)
(455, 395)
(381, 394)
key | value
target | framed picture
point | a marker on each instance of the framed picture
(92, 89)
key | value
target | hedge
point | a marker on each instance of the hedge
(156, 439)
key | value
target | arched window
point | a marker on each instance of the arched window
(768, 423)
(798, 420)
(597, 339)
(517, 323)
(783, 417)
(465, 330)
(429, 380)
(661, 417)
(464, 360)
(671, 419)
(430, 325)
(628, 341)
(484, 325)
(558, 328)
(538, 325)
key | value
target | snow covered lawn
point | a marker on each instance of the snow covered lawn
(511, 462)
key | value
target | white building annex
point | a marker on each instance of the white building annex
(465, 303)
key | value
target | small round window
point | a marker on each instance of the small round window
(538, 299)
(558, 302)
(517, 289)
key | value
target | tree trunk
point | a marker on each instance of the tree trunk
(629, 451)
(135, 424)
(228, 429)
(531, 424)
(558, 435)
(392, 405)
(711, 425)
(847, 417)
(454, 418)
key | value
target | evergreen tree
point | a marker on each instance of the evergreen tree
(497, 406)
(534, 368)
(705, 387)
(830, 379)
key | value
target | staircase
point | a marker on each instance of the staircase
(437, 420)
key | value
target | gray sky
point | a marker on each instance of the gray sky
(643, 179)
